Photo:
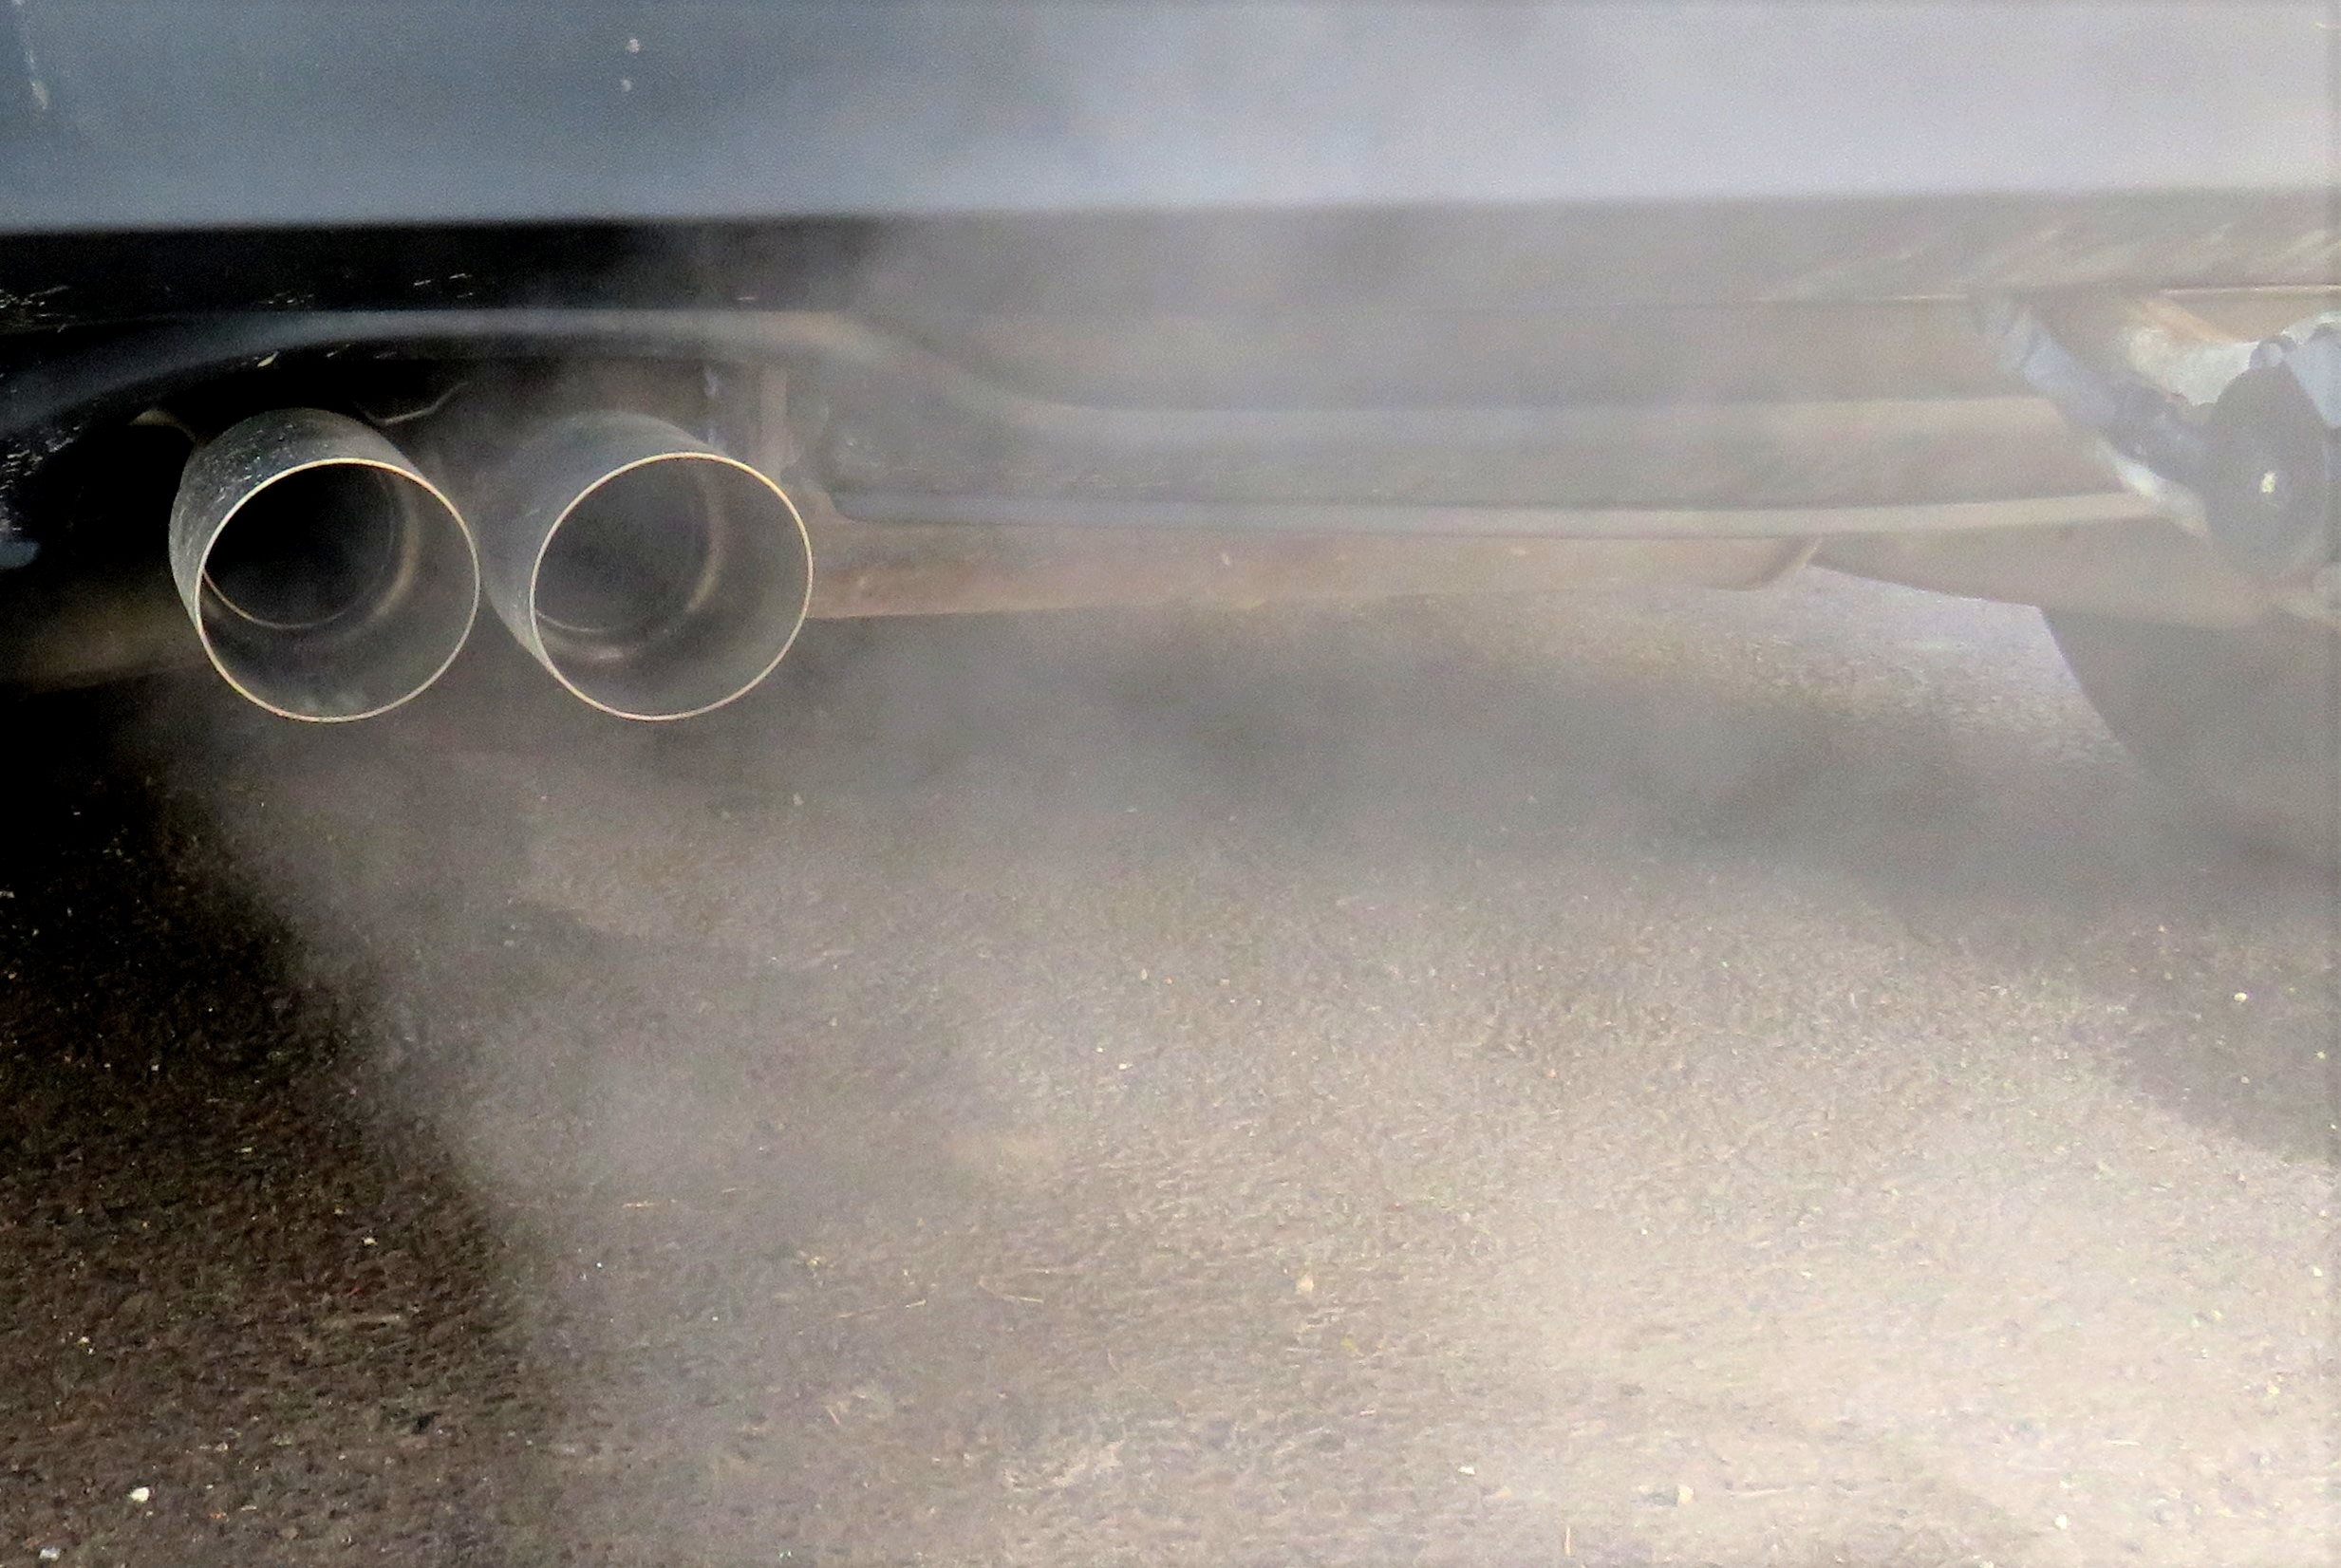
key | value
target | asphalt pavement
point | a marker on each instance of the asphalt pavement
(1702, 1078)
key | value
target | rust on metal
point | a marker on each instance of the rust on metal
(941, 569)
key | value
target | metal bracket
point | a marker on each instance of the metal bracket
(2239, 441)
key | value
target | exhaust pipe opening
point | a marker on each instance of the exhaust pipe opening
(653, 576)
(328, 579)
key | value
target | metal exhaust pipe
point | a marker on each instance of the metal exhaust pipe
(653, 575)
(328, 579)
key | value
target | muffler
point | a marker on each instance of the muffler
(327, 578)
(653, 575)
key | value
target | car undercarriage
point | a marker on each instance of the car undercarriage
(308, 403)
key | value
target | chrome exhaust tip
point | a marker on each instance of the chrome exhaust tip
(650, 574)
(328, 579)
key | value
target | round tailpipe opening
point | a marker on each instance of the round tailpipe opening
(653, 576)
(328, 579)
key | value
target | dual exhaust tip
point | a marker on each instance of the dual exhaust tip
(329, 580)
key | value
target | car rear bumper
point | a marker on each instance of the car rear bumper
(141, 114)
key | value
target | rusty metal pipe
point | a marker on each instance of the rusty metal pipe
(328, 579)
(943, 569)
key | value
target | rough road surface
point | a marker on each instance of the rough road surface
(1718, 1079)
